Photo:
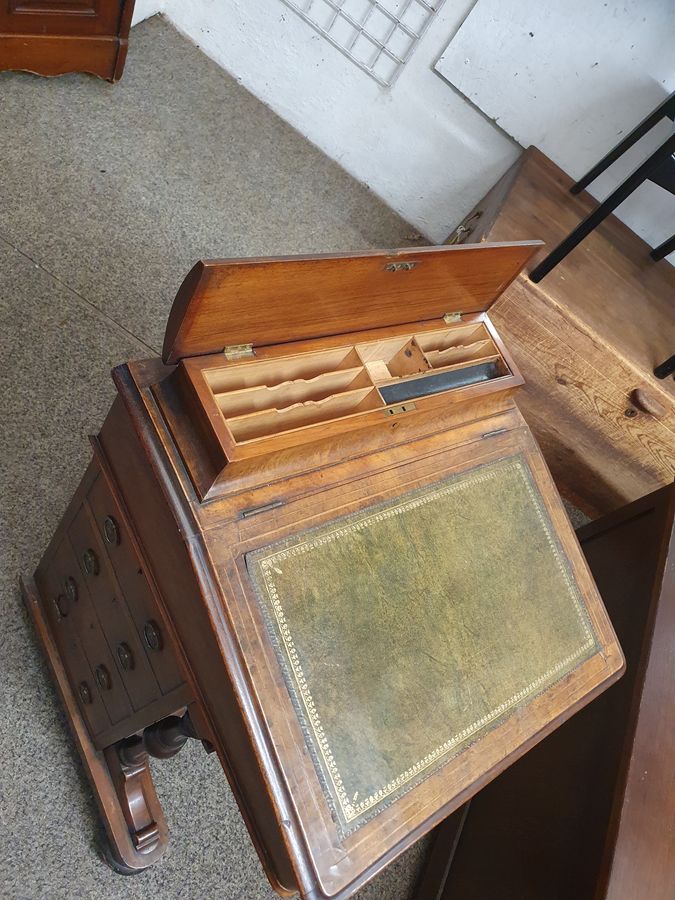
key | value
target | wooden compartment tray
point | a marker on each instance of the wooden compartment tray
(257, 405)
(269, 422)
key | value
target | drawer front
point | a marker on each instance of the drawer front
(55, 593)
(81, 641)
(66, 17)
(131, 663)
(105, 617)
(118, 547)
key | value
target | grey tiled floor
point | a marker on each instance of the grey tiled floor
(108, 194)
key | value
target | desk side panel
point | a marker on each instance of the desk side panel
(174, 558)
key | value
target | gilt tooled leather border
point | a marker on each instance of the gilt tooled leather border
(347, 814)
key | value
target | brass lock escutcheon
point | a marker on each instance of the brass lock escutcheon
(400, 266)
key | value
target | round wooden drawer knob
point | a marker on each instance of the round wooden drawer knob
(152, 635)
(647, 403)
(103, 679)
(125, 656)
(85, 692)
(90, 561)
(111, 531)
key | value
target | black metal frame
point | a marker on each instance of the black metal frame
(643, 173)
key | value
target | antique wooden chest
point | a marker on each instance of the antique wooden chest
(318, 536)
(587, 339)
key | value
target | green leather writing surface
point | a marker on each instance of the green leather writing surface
(409, 629)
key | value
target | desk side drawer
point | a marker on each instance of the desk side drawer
(81, 641)
(114, 533)
(54, 583)
(106, 619)
(130, 661)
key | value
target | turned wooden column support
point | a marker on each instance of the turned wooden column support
(167, 737)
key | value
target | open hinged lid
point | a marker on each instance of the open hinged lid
(264, 301)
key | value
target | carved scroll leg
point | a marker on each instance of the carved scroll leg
(128, 764)
(104, 770)
(130, 774)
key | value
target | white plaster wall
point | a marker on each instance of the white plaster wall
(419, 145)
(572, 79)
(146, 8)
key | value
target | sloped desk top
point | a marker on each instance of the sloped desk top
(410, 629)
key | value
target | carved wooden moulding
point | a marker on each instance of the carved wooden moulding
(319, 536)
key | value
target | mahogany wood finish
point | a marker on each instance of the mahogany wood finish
(161, 525)
(264, 302)
(102, 768)
(588, 814)
(323, 388)
(52, 37)
(587, 339)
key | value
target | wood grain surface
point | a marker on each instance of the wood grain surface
(586, 339)
(271, 301)
(51, 37)
(323, 864)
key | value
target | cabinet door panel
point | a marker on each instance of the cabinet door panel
(60, 17)
(52, 37)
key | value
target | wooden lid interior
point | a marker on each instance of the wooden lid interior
(263, 301)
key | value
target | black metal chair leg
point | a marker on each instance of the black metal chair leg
(666, 368)
(664, 249)
(667, 108)
(607, 206)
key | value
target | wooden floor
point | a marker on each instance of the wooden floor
(586, 338)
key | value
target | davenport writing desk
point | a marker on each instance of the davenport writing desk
(318, 536)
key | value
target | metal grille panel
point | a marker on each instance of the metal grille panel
(378, 35)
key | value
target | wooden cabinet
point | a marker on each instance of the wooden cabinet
(588, 814)
(323, 533)
(52, 37)
(586, 338)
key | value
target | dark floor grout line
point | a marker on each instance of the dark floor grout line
(72, 290)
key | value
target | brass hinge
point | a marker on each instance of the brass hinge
(255, 510)
(238, 351)
(449, 318)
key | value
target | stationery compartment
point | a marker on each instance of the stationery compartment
(454, 358)
(457, 345)
(439, 381)
(268, 422)
(266, 399)
(290, 393)
(393, 358)
(270, 397)
(270, 372)
(421, 365)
